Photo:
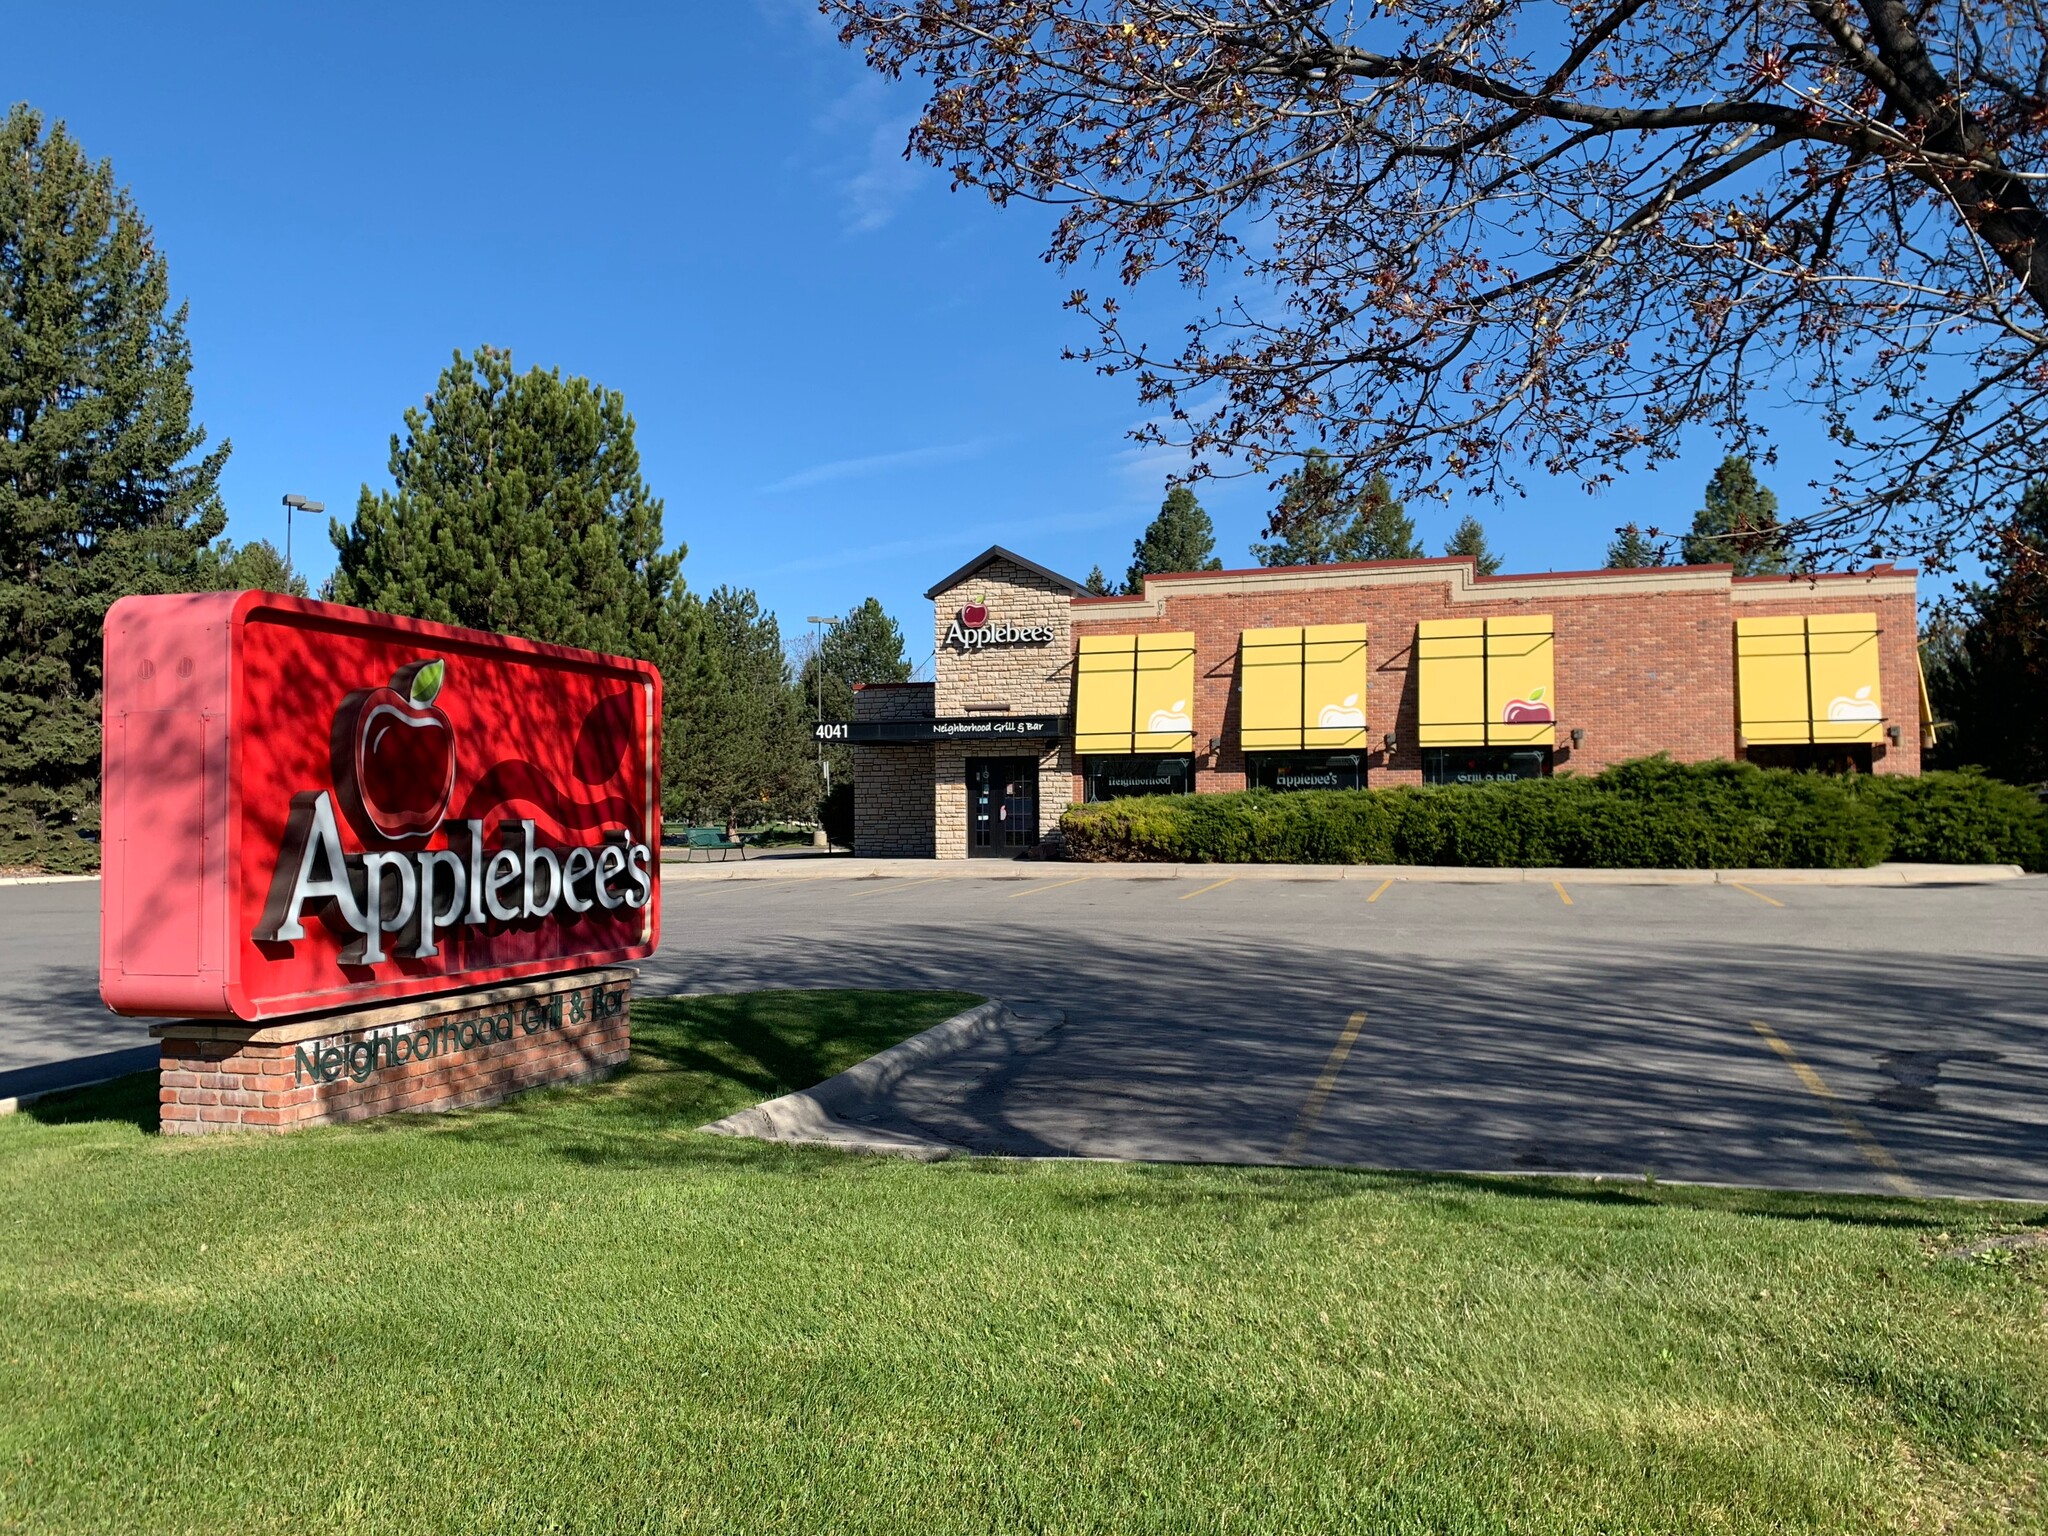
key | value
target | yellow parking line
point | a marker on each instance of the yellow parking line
(1376, 895)
(1759, 895)
(890, 882)
(1045, 885)
(1312, 1106)
(1562, 894)
(1867, 1144)
(1224, 881)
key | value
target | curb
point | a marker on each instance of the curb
(812, 1115)
(45, 879)
(990, 869)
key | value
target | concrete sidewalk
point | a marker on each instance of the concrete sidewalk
(813, 866)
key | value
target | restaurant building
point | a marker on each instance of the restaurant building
(1374, 675)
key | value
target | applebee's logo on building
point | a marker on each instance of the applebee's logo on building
(970, 630)
(393, 756)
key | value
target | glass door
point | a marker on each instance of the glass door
(1002, 806)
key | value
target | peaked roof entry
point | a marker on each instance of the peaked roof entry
(997, 552)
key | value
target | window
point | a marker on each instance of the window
(1808, 680)
(1302, 687)
(1116, 778)
(1305, 770)
(1849, 757)
(1483, 765)
(1134, 693)
(1486, 682)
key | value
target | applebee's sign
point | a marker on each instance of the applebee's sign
(308, 806)
(971, 629)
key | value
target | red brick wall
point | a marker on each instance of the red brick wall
(1644, 663)
(445, 1053)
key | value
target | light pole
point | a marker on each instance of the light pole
(296, 504)
(818, 660)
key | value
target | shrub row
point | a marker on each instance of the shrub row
(1651, 814)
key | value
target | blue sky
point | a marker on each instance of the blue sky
(846, 378)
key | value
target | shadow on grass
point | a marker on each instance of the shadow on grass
(130, 1100)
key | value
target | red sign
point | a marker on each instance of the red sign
(310, 807)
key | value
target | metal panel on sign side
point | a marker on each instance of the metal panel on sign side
(1771, 681)
(1521, 708)
(1450, 659)
(1333, 685)
(1163, 720)
(1104, 693)
(1841, 657)
(1269, 707)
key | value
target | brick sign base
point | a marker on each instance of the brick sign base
(446, 1052)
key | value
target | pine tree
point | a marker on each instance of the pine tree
(738, 743)
(1990, 684)
(1634, 550)
(100, 493)
(1738, 526)
(1097, 583)
(1469, 538)
(1180, 538)
(1321, 524)
(256, 566)
(518, 507)
(866, 646)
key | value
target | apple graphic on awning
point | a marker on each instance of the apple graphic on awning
(1530, 711)
(974, 615)
(400, 764)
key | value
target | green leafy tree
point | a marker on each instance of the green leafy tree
(1634, 550)
(517, 506)
(256, 566)
(103, 491)
(1738, 526)
(1097, 583)
(1469, 538)
(1990, 680)
(738, 745)
(1180, 538)
(1319, 522)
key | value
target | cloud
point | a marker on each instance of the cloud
(885, 181)
(876, 464)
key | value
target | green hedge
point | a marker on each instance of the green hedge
(1652, 814)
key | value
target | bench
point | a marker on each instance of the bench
(712, 839)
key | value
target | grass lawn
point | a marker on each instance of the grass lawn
(574, 1313)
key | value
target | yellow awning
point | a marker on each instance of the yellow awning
(1928, 731)
(1487, 682)
(1302, 687)
(1134, 693)
(1805, 679)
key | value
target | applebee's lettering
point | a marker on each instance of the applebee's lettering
(970, 630)
(420, 893)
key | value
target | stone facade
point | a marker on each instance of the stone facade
(1025, 679)
(892, 786)
(447, 1052)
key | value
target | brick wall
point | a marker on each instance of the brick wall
(438, 1053)
(1645, 660)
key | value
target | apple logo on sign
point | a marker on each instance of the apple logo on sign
(974, 615)
(394, 754)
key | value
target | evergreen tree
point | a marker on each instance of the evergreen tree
(738, 744)
(1634, 550)
(100, 493)
(1180, 538)
(1321, 523)
(256, 566)
(1990, 681)
(865, 646)
(1097, 583)
(518, 507)
(1469, 538)
(1738, 526)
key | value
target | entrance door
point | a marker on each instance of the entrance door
(1002, 806)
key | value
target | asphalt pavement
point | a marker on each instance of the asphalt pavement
(1883, 1039)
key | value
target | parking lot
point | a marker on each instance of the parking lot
(1856, 1038)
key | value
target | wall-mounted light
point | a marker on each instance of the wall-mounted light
(1387, 741)
(1215, 745)
(1578, 737)
(1893, 734)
